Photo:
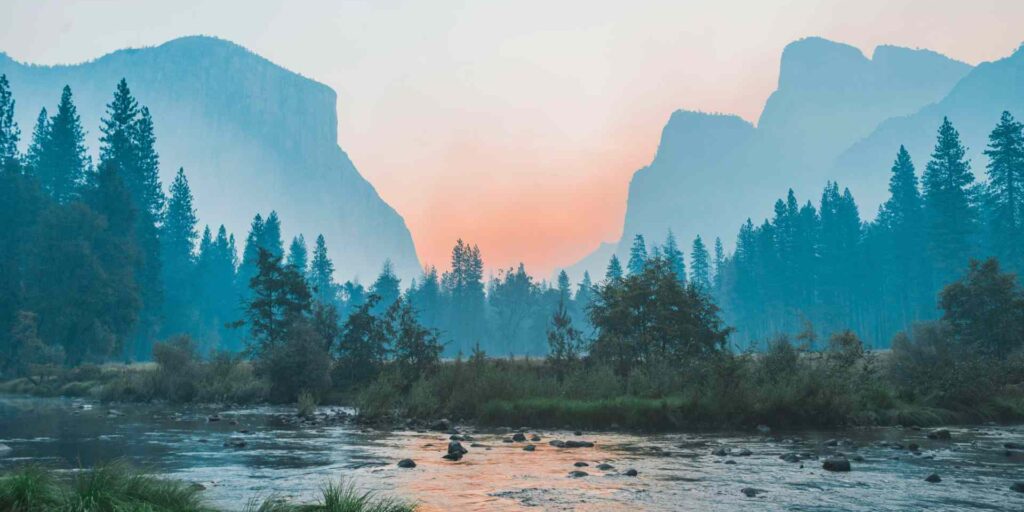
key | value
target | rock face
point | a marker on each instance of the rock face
(712, 171)
(252, 137)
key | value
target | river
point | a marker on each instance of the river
(674, 471)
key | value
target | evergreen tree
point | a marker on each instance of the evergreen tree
(280, 299)
(271, 236)
(584, 291)
(387, 287)
(298, 255)
(674, 257)
(9, 132)
(565, 342)
(40, 134)
(464, 284)
(250, 253)
(900, 220)
(426, 298)
(146, 181)
(177, 243)
(321, 273)
(947, 202)
(564, 287)
(1006, 191)
(700, 266)
(62, 165)
(637, 255)
(719, 264)
(614, 270)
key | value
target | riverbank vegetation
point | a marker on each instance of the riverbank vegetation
(116, 487)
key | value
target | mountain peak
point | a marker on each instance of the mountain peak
(815, 61)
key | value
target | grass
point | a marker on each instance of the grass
(117, 487)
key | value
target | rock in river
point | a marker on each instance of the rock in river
(933, 478)
(581, 464)
(5, 450)
(529, 448)
(750, 492)
(406, 463)
(604, 467)
(1018, 487)
(836, 464)
(519, 437)
(940, 434)
(578, 474)
(235, 442)
(630, 472)
(455, 451)
(578, 444)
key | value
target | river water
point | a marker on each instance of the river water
(674, 471)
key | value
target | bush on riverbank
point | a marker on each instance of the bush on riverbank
(117, 487)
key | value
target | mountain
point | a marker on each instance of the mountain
(973, 106)
(713, 171)
(251, 135)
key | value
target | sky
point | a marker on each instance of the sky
(515, 125)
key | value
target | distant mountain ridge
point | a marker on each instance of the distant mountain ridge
(251, 135)
(713, 171)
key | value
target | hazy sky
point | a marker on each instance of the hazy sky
(516, 125)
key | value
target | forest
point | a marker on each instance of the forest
(98, 263)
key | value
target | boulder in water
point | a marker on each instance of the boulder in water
(940, 434)
(581, 464)
(605, 467)
(933, 478)
(529, 448)
(578, 474)
(840, 464)
(519, 437)
(750, 492)
(1017, 487)
(406, 463)
(630, 472)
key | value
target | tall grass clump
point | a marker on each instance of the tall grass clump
(334, 497)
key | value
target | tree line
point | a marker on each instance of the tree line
(98, 261)
(822, 268)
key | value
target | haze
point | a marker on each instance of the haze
(515, 125)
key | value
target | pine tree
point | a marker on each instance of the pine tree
(1006, 191)
(614, 271)
(948, 206)
(149, 192)
(177, 243)
(63, 164)
(271, 236)
(637, 255)
(564, 287)
(9, 132)
(674, 257)
(903, 274)
(40, 134)
(117, 144)
(250, 255)
(321, 273)
(700, 266)
(298, 255)
(719, 264)
(386, 287)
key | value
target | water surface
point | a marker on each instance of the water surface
(674, 471)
